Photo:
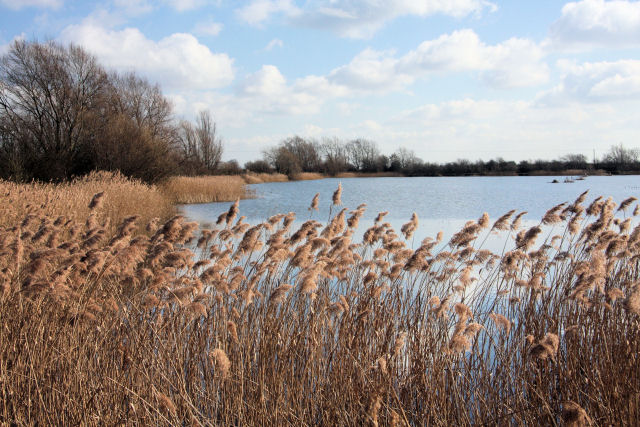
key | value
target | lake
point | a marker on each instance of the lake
(441, 203)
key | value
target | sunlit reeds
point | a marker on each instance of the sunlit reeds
(60, 203)
(204, 189)
(284, 324)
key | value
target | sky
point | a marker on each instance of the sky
(448, 79)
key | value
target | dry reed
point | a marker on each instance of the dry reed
(265, 324)
(204, 189)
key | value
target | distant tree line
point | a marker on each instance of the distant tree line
(332, 156)
(62, 114)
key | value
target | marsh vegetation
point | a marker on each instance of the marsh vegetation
(109, 320)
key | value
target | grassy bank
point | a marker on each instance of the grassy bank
(267, 324)
(204, 189)
(69, 201)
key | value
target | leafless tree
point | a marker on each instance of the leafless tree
(200, 144)
(50, 99)
(208, 141)
(403, 159)
(335, 155)
(622, 157)
(305, 151)
(364, 155)
(141, 136)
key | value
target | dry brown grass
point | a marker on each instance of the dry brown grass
(261, 178)
(269, 325)
(122, 197)
(204, 189)
(307, 176)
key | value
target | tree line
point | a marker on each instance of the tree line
(332, 156)
(62, 114)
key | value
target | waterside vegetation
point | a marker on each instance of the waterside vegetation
(301, 323)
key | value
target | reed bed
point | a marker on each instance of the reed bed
(205, 189)
(122, 197)
(276, 324)
(308, 176)
(261, 178)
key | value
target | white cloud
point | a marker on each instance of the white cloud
(209, 28)
(356, 18)
(267, 91)
(176, 61)
(268, 81)
(4, 48)
(259, 11)
(19, 4)
(273, 43)
(372, 70)
(597, 23)
(595, 82)
(183, 5)
(362, 18)
(516, 130)
(513, 63)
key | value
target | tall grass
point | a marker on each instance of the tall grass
(260, 178)
(204, 189)
(68, 201)
(270, 325)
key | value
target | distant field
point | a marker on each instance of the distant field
(107, 317)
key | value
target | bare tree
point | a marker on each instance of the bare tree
(364, 155)
(306, 152)
(208, 141)
(335, 155)
(403, 159)
(622, 158)
(200, 144)
(50, 98)
(141, 136)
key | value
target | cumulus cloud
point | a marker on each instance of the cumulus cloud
(372, 70)
(513, 63)
(20, 4)
(356, 18)
(267, 91)
(595, 82)
(176, 61)
(597, 23)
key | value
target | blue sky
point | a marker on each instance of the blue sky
(448, 79)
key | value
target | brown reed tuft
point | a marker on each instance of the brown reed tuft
(574, 416)
(546, 348)
(337, 195)
(222, 362)
(315, 202)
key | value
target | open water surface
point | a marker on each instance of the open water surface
(441, 203)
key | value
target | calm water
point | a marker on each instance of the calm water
(441, 203)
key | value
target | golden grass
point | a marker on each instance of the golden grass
(204, 189)
(307, 176)
(266, 324)
(260, 178)
(122, 197)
